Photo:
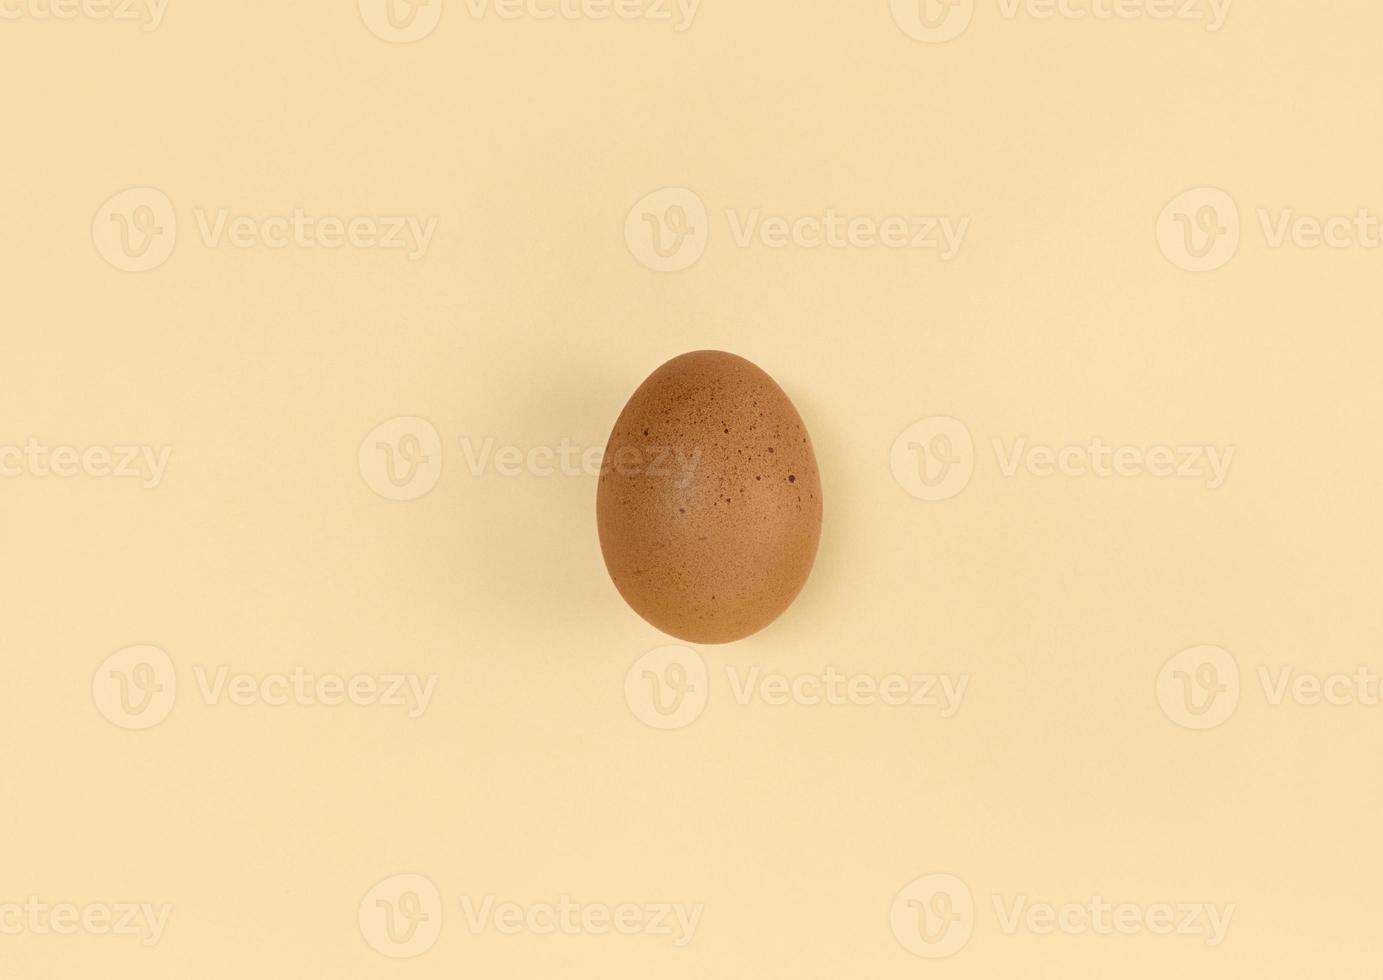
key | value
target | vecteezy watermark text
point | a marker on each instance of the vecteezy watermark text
(407, 21)
(935, 917)
(939, 21)
(1201, 687)
(402, 459)
(37, 917)
(401, 917)
(676, 921)
(137, 688)
(137, 230)
(935, 459)
(669, 687)
(39, 460)
(147, 13)
(1200, 230)
(670, 229)
(568, 459)
(830, 229)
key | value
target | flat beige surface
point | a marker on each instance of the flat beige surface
(315, 321)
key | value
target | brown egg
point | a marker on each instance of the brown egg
(709, 505)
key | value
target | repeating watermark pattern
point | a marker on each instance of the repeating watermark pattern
(669, 687)
(137, 230)
(407, 21)
(935, 458)
(401, 459)
(936, 916)
(669, 230)
(1201, 687)
(148, 14)
(1201, 229)
(145, 921)
(37, 459)
(402, 917)
(939, 21)
(137, 687)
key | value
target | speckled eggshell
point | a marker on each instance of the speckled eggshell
(709, 505)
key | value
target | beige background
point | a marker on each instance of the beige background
(1067, 315)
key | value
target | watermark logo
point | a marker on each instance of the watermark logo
(135, 688)
(933, 21)
(667, 688)
(401, 21)
(1199, 687)
(668, 230)
(136, 230)
(405, 21)
(1199, 230)
(934, 458)
(401, 917)
(401, 459)
(934, 916)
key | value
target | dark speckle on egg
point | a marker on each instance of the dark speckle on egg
(679, 518)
